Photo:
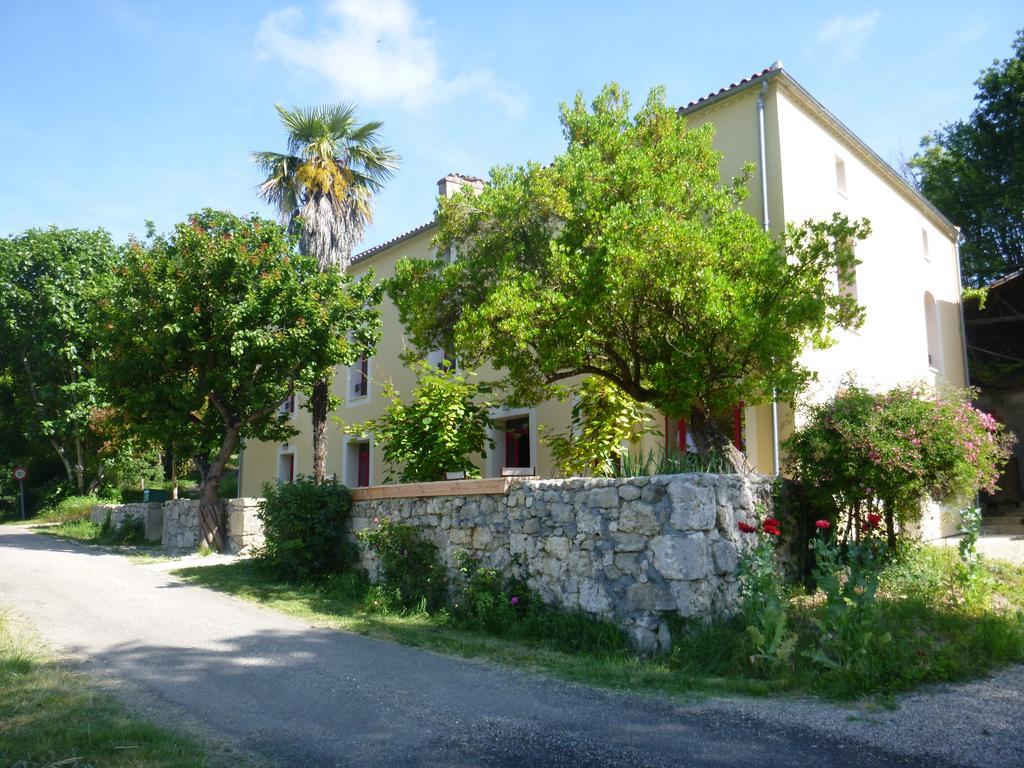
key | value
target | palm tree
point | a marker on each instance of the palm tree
(322, 187)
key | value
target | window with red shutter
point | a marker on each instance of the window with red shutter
(363, 475)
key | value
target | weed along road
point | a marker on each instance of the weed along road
(308, 696)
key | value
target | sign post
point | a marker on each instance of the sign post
(20, 474)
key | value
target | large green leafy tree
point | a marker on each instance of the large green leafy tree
(322, 186)
(628, 258)
(50, 279)
(973, 171)
(207, 332)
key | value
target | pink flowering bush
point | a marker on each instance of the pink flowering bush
(863, 454)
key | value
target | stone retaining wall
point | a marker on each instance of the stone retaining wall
(149, 512)
(630, 549)
(175, 524)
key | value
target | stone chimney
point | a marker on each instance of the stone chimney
(453, 182)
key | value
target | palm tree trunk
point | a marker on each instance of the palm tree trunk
(318, 413)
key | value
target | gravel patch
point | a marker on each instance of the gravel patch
(970, 724)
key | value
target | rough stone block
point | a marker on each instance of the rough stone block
(693, 507)
(603, 498)
(649, 597)
(639, 517)
(629, 491)
(680, 557)
(594, 598)
(725, 556)
(693, 598)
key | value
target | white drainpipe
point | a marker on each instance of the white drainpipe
(767, 228)
(960, 303)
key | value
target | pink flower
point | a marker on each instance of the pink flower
(822, 525)
(514, 600)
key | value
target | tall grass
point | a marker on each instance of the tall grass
(662, 462)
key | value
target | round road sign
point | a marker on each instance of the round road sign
(20, 474)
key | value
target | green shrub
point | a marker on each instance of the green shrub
(486, 599)
(445, 422)
(848, 630)
(603, 418)
(407, 564)
(130, 531)
(763, 602)
(68, 509)
(862, 453)
(305, 529)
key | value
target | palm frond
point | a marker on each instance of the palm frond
(325, 183)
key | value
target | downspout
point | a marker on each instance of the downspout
(767, 228)
(241, 453)
(960, 303)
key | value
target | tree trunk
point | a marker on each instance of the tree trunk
(70, 470)
(711, 441)
(318, 413)
(79, 466)
(890, 525)
(211, 515)
(174, 474)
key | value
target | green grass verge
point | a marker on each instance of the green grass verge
(69, 509)
(52, 716)
(934, 635)
(88, 532)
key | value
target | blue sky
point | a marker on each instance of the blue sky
(115, 112)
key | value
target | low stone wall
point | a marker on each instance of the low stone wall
(630, 549)
(175, 524)
(181, 524)
(149, 512)
(245, 531)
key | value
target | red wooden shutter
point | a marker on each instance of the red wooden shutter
(681, 435)
(511, 448)
(363, 475)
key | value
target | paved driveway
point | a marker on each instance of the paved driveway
(309, 696)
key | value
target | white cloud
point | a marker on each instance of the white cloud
(374, 51)
(846, 35)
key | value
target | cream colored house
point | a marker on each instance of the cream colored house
(809, 165)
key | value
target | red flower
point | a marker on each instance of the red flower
(772, 531)
(747, 528)
(771, 522)
(874, 520)
(822, 525)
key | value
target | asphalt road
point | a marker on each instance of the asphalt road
(308, 696)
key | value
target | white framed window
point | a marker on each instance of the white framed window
(442, 360)
(841, 176)
(933, 332)
(358, 386)
(288, 405)
(515, 440)
(847, 286)
(924, 245)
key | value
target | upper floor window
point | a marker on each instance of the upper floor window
(359, 378)
(841, 176)
(924, 245)
(288, 405)
(931, 320)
